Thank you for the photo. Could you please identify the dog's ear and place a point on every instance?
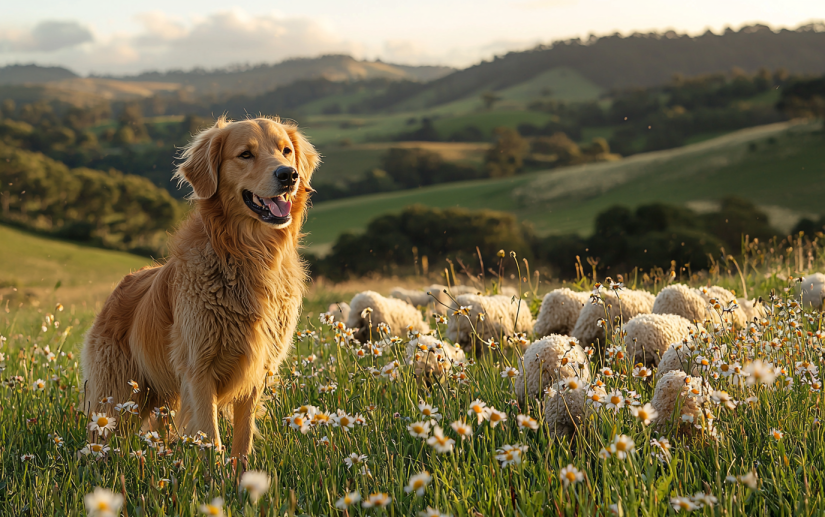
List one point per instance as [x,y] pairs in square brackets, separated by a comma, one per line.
[202,161]
[306,157]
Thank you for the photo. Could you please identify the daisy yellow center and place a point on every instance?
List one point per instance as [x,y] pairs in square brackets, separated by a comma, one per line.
[684,505]
[570,476]
[615,399]
[441,440]
[299,421]
[495,417]
[103,505]
[345,421]
[477,409]
[643,414]
[212,510]
[621,446]
[418,428]
[348,500]
[511,373]
[418,484]
[102,421]
[725,367]
[426,411]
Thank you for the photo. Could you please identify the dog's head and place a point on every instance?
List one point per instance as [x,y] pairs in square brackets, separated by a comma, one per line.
[258,169]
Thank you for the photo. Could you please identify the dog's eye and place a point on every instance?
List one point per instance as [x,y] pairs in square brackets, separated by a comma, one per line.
[245,155]
[287,151]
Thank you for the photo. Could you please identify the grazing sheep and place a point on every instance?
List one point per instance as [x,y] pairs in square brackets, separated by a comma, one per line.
[458,290]
[813,290]
[559,311]
[548,360]
[395,313]
[340,311]
[650,335]
[672,390]
[565,409]
[587,330]
[412,296]
[681,300]
[431,358]
[432,297]
[503,317]
[751,309]
[724,297]
[675,358]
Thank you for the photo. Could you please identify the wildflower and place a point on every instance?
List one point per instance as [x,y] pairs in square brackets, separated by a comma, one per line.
[256,483]
[439,442]
[213,508]
[776,434]
[343,420]
[570,475]
[428,410]
[510,454]
[419,429]
[432,512]
[527,422]
[682,503]
[463,429]
[103,503]
[298,422]
[573,383]
[478,409]
[661,448]
[496,417]
[102,423]
[355,459]
[607,372]
[58,441]
[163,482]
[510,373]
[722,397]
[642,372]
[760,372]
[324,440]
[703,499]
[645,413]
[750,480]
[39,385]
[95,449]
[604,453]
[615,400]
[622,446]
[135,387]
[26,457]
[463,311]
[418,483]
[347,500]
[380,499]
[137,454]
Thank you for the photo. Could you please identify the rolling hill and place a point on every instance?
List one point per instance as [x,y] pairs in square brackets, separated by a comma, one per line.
[779,166]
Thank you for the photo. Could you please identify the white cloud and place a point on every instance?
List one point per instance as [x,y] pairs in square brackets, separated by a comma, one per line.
[46,36]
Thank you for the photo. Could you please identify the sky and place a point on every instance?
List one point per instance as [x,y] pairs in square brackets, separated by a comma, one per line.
[117,37]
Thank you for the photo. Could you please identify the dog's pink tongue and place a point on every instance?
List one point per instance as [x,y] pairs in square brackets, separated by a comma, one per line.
[278,207]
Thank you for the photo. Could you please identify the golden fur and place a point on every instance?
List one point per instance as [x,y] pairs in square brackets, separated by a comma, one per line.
[199,332]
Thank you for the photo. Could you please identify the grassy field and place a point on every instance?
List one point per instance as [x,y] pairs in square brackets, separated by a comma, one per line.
[753,448]
[777,166]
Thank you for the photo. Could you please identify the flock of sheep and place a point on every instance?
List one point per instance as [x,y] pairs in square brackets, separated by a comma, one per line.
[657,331]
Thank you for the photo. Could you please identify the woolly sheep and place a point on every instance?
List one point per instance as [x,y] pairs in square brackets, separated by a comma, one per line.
[675,358]
[431,358]
[559,311]
[671,391]
[813,290]
[725,297]
[503,317]
[649,336]
[681,300]
[340,311]
[432,297]
[751,309]
[548,360]
[631,302]
[395,313]
[565,409]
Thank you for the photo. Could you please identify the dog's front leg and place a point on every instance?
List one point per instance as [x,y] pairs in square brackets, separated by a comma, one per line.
[244,423]
[202,402]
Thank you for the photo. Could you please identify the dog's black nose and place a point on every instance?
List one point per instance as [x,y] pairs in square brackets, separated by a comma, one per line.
[286,175]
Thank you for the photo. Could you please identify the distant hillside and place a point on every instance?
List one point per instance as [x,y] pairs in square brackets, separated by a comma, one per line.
[261,78]
[33,74]
[638,60]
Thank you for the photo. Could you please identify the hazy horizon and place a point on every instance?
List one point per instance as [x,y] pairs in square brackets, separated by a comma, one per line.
[92,37]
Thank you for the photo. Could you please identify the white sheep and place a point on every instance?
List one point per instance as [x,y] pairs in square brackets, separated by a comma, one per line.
[752,309]
[724,298]
[340,311]
[559,311]
[548,360]
[397,314]
[502,318]
[431,358]
[628,303]
[436,298]
[813,290]
[649,336]
[673,390]
[565,410]
[682,300]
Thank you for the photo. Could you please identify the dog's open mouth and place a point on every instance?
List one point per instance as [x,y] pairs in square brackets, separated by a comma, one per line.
[274,210]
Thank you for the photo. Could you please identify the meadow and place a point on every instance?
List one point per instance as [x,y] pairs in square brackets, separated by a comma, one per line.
[566,200]
[347,429]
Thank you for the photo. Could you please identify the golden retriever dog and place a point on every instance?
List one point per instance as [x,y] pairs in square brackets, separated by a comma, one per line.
[200,332]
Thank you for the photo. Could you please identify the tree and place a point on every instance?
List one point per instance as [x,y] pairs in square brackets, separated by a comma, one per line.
[506,157]
[489,99]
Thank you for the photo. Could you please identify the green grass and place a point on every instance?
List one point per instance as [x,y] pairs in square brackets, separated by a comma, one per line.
[786,173]
[563,84]
[35,263]
[487,120]
[308,477]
